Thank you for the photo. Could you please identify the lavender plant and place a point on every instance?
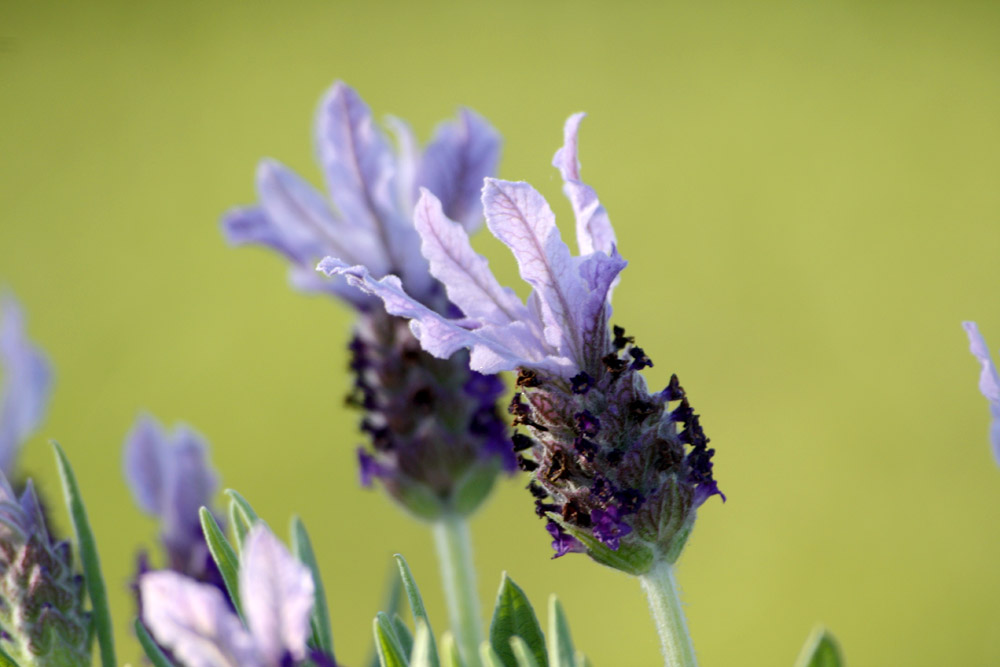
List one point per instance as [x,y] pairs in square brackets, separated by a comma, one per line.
[436,438]
[618,472]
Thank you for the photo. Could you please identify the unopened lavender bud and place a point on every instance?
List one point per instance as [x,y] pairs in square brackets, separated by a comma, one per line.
[42,621]
[617,471]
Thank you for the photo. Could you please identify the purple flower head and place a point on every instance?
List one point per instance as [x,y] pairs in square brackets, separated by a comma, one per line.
[621,470]
[436,436]
[171,478]
[42,621]
[27,383]
[196,623]
[989,382]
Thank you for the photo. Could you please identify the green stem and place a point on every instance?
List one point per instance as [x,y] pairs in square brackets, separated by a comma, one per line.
[665,605]
[454,548]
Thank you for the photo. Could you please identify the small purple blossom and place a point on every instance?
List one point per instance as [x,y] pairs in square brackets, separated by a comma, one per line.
[639,471]
[171,478]
[989,382]
[195,622]
[27,383]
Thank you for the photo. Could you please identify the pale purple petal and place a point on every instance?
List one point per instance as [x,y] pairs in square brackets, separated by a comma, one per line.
[32,508]
[600,272]
[492,348]
[249,225]
[456,161]
[189,484]
[465,274]
[593,228]
[277,594]
[305,279]
[27,383]
[146,462]
[194,622]
[989,383]
[520,217]
[407,161]
[355,156]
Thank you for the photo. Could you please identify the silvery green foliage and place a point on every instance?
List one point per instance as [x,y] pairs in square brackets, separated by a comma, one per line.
[42,621]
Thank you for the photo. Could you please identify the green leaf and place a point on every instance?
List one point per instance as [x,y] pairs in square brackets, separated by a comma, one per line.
[235,497]
[561,653]
[421,654]
[821,650]
[390,653]
[416,604]
[634,559]
[391,603]
[522,653]
[100,614]
[6,660]
[320,619]
[514,617]
[403,634]
[489,656]
[224,556]
[153,651]
[240,522]
[449,651]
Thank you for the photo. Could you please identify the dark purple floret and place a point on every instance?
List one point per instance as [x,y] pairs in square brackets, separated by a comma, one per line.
[587,424]
[521,442]
[562,542]
[581,383]
[639,359]
[608,527]
[368,468]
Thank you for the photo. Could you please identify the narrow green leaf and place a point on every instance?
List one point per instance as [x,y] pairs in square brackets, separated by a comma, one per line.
[522,653]
[421,654]
[101,616]
[821,650]
[391,603]
[320,621]
[153,651]
[449,651]
[489,656]
[225,557]
[240,522]
[561,653]
[634,559]
[416,604]
[403,634]
[390,653]
[514,617]
[6,660]
[244,505]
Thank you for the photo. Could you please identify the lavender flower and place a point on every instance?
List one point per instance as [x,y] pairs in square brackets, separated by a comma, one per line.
[170,478]
[42,621]
[615,470]
[436,436]
[197,624]
[989,382]
[27,384]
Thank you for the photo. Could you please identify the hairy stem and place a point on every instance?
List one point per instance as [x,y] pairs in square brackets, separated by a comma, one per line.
[665,606]
[454,549]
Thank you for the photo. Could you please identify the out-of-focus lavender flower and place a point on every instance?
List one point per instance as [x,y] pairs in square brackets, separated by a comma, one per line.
[616,471]
[437,440]
[27,383]
[198,625]
[171,478]
[989,382]
[42,621]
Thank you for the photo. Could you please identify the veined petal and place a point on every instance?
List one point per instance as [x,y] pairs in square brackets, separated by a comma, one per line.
[146,460]
[454,164]
[593,228]
[492,348]
[27,382]
[520,217]
[355,156]
[407,161]
[194,622]
[600,272]
[465,274]
[989,382]
[277,594]
[305,279]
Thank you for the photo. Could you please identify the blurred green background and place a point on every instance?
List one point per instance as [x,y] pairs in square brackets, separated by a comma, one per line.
[807,195]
